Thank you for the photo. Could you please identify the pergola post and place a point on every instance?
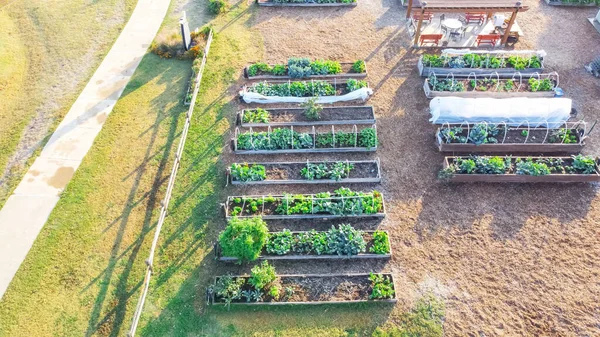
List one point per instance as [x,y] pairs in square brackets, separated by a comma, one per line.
[513,17]
[418,31]
[410,4]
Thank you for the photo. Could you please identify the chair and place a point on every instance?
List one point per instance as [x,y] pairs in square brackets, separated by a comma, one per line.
[442,18]
[463,20]
[430,38]
[444,29]
[459,34]
[513,38]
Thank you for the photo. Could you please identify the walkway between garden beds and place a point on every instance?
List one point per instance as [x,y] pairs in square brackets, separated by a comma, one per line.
[28,208]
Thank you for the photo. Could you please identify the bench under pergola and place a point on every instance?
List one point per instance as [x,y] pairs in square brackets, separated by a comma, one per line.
[464,6]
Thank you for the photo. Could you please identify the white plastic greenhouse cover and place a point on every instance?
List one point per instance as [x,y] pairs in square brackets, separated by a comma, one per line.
[252,97]
[513,111]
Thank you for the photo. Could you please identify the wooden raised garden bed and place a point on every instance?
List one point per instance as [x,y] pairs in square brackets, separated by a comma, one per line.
[506,71]
[304,4]
[295,116]
[493,88]
[512,177]
[299,91]
[346,73]
[575,3]
[569,139]
[305,139]
[316,289]
[342,172]
[307,206]
[368,235]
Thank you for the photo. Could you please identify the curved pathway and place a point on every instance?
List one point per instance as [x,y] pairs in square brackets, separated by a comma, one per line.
[28,208]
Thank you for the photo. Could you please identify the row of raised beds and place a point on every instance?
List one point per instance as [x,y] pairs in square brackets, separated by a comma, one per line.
[491,85]
[339,172]
[521,126]
[300,67]
[309,128]
[459,62]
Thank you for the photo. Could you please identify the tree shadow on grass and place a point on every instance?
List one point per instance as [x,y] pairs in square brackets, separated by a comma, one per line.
[169,73]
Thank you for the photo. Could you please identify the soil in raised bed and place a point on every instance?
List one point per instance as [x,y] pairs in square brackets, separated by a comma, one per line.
[292,172]
[514,136]
[327,114]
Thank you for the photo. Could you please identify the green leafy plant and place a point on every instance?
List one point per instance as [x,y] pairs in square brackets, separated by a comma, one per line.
[299,67]
[245,172]
[584,164]
[565,136]
[484,133]
[524,133]
[335,171]
[244,238]
[381,243]
[295,89]
[452,134]
[540,85]
[345,240]
[312,110]
[257,115]
[262,276]
[359,67]
[280,243]
[352,85]
[529,167]
[367,138]
[382,286]
[252,295]
[275,292]
[228,288]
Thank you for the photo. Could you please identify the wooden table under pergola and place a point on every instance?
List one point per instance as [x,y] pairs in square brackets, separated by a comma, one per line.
[464,6]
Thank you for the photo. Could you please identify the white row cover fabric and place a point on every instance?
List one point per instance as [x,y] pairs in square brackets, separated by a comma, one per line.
[252,97]
[513,111]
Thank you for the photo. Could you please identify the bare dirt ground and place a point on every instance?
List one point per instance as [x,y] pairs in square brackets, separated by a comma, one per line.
[509,260]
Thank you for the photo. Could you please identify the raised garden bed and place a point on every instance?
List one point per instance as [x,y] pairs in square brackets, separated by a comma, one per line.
[494,138]
[297,68]
[322,91]
[310,289]
[341,172]
[307,139]
[305,4]
[575,169]
[572,3]
[340,204]
[295,116]
[474,87]
[297,248]
[505,63]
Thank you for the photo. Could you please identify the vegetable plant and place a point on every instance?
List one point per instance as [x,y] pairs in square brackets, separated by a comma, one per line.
[244,238]
[262,276]
[244,172]
[345,240]
[359,67]
[312,110]
[352,85]
[380,243]
[584,164]
[228,288]
[382,286]
[257,115]
[335,171]
[529,167]
[540,85]
[280,243]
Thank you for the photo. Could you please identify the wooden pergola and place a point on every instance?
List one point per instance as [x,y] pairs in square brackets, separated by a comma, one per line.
[464,6]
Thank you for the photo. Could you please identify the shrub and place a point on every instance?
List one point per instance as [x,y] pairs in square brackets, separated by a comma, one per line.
[262,276]
[244,238]
[359,67]
[312,110]
[217,6]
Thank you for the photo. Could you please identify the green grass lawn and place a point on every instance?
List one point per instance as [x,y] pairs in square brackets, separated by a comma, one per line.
[47,54]
[84,272]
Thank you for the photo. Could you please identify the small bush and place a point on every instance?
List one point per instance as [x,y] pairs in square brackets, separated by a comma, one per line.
[262,276]
[359,67]
[217,6]
[244,238]
[312,110]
